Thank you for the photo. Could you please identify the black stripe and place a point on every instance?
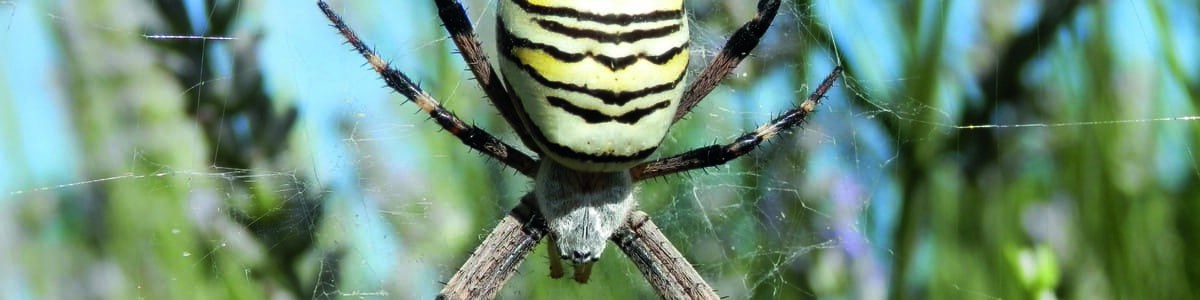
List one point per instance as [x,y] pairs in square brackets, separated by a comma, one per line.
[507,41]
[594,116]
[633,116]
[569,153]
[615,19]
[606,96]
[608,37]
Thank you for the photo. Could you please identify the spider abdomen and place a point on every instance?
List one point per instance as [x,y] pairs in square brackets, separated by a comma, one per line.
[597,82]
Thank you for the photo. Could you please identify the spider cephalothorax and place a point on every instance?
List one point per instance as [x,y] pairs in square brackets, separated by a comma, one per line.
[592,86]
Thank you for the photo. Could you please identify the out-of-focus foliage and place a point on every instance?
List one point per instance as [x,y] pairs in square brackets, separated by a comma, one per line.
[990,149]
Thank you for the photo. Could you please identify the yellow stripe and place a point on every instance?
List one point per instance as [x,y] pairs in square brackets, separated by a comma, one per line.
[612,6]
[596,76]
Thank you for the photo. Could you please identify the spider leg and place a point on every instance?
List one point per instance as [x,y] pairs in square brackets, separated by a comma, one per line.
[454,18]
[470,135]
[737,48]
[556,267]
[583,272]
[719,154]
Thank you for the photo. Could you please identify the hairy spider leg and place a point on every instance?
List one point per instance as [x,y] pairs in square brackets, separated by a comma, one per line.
[470,135]
[738,46]
[715,155]
[458,25]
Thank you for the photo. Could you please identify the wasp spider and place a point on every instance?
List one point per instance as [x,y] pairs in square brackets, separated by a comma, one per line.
[592,87]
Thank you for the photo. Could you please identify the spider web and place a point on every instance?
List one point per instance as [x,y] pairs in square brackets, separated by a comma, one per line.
[897,182]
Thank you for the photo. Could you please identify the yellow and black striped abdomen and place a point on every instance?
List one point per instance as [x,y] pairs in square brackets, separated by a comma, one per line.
[597,81]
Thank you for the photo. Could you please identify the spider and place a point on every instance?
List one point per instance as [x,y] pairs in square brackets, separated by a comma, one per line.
[592,88]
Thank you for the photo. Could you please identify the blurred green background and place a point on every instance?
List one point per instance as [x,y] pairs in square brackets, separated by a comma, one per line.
[236,149]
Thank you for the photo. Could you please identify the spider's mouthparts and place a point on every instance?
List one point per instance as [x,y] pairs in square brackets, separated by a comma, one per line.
[579,257]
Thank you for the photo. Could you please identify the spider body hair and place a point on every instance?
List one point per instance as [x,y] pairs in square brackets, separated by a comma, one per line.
[582,209]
